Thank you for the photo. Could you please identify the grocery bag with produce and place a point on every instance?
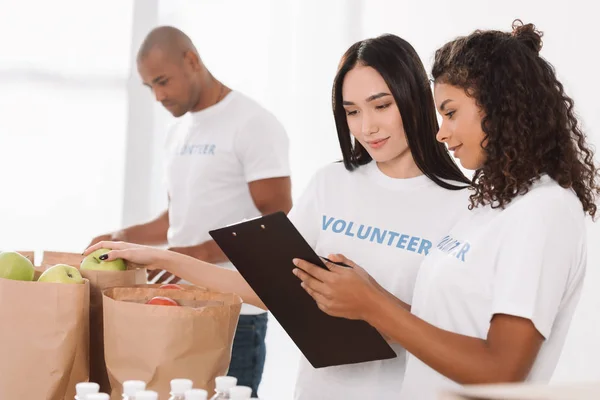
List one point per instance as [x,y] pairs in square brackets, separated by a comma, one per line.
[44,340]
[101,275]
[156,335]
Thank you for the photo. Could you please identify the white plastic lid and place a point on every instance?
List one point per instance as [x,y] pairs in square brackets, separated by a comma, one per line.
[180,386]
[146,395]
[240,393]
[97,396]
[196,394]
[225,383]
[130,388]
[85,388]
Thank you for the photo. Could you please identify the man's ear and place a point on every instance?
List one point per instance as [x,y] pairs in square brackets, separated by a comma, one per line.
[190,58]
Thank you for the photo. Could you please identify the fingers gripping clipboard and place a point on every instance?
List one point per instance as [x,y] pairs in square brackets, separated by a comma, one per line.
[262,250]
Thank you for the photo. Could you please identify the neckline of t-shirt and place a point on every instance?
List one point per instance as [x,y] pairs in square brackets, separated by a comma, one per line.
[374,173]
[202,114]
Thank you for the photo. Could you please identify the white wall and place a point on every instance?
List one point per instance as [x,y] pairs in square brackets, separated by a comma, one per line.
[63,116]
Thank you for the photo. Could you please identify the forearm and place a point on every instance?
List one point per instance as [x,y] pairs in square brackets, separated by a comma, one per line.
[464,359]
[211,276]
[390,296]
[272,195]
[153,233]
[282,204]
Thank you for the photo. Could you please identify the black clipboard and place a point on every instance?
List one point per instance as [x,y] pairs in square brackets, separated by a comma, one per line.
[262,250]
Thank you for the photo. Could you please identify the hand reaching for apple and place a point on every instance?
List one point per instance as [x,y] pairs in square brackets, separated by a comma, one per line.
[154,275]
[137,254]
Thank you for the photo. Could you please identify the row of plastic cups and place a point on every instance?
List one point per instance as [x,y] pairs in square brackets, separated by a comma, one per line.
[133,388]
[192,394]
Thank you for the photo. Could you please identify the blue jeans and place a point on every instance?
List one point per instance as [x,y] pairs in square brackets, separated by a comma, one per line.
[249,351]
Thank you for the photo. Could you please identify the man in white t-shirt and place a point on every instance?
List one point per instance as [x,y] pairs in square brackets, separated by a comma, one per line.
[227,160]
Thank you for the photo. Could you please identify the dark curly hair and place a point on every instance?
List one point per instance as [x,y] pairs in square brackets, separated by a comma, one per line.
[529,123]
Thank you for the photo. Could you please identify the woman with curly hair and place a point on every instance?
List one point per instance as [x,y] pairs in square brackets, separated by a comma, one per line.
[494,301]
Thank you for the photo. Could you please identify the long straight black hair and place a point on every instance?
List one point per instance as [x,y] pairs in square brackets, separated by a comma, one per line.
[402,70]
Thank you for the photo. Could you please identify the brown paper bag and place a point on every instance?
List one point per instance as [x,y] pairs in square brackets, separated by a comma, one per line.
[51,258]
[43,343]
[99,280]
[29,255]
[159,343]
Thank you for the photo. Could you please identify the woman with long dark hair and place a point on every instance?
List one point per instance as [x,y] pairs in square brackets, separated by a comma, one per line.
[396,192]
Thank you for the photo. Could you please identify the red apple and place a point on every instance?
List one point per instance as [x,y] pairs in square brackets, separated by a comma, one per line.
[171,286]
[162,301]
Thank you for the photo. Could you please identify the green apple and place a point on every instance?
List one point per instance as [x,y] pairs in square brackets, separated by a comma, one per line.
[61,273]
[16,267]
[93,262]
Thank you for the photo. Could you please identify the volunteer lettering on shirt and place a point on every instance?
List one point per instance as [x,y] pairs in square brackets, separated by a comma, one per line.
[387,226]
[377,235]
[197,149]
[454,247]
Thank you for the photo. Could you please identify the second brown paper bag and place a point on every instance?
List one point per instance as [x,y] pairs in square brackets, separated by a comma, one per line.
[159,343]
[99,280]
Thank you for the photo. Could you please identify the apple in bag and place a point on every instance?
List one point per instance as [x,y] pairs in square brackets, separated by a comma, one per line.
[162,301]
[171,286]
[15,266]
[61,273]
[92,262]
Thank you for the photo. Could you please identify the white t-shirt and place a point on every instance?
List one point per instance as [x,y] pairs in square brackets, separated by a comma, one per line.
[527,260]
[212,155]
[386,226]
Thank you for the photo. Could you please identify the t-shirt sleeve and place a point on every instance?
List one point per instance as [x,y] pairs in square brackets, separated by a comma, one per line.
[262,146]
[305,214]
[543,245]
